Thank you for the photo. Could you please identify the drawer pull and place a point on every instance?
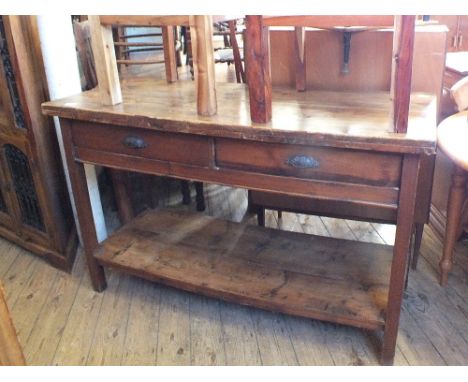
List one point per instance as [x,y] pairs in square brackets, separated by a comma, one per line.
[135,142]
[302,161]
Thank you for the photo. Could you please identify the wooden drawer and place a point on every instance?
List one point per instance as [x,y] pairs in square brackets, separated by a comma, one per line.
[321,163]
[170,147]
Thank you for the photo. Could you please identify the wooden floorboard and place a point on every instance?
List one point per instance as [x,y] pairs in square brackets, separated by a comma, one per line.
[61,320]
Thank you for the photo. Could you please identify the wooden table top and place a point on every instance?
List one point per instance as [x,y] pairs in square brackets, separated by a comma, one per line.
[340,119]
[457,62]
[452,137]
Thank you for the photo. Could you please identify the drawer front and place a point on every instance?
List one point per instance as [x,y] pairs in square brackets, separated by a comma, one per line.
[319,163]
[170,147]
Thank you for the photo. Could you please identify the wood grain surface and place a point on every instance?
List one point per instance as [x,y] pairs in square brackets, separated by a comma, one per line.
[342,119]
[344,282]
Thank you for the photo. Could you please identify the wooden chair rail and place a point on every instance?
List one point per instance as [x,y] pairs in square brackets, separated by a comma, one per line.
[321,21]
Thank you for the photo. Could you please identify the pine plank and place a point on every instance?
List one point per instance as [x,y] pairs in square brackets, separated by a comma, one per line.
[449,342]
[240,339]
[174,328]
[313,225]
[431,249]
[289,222]
[18,274]
[308,338]
[338,228]
[111,329]
[350,346]
[364,231]
[47,332]
[206,336]
[141,338]
[414,343]
[8,254]
[78,334]
[386,232]
[273,339]
[227,260]
[31,300]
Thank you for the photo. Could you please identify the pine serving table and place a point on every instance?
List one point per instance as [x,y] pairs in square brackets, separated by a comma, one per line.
[338,146]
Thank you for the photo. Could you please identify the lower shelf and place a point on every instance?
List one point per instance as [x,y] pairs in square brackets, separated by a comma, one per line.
[323,278]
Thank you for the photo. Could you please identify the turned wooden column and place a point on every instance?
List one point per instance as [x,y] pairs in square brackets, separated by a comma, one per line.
[454,210]
[452,135]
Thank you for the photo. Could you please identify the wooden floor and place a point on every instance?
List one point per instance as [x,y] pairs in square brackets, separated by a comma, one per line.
[61,320]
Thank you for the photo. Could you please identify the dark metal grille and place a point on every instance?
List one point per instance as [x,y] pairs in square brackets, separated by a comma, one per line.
[10,79]
[24,187]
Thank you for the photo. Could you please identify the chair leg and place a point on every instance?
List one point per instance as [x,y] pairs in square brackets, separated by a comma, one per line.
[418,233]
[185,189]
[455,202]
[261,216]
[200,199]
[121,194]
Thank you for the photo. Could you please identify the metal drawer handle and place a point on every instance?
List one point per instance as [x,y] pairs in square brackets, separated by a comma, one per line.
[302,161]
[135,142]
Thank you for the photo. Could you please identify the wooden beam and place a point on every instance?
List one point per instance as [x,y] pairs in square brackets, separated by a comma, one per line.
[329,21]
[105,62]
[201,31]
[169,54]
[299,50]
[154,20]
[403,42]
[140,62]
[125,43]
[257,63]
[157,20]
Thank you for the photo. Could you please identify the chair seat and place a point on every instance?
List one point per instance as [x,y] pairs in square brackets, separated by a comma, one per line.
[452,138]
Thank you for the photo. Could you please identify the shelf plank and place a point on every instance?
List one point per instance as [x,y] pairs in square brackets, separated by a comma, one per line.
[328,279]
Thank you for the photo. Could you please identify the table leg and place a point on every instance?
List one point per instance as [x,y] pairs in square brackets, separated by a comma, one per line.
[418,233]
[200,198]
[185,188]
[261,216]
[454,210]
[122,198]
[405,220]
[83,209]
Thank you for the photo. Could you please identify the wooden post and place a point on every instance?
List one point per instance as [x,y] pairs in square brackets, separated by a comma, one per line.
[11,353]
[456,198]
[201,33]
[299,49]
[122,198]
[105,61]
[405,221]
[403,41]
[257,65]
[240,75]
[84,209]
[169,53]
